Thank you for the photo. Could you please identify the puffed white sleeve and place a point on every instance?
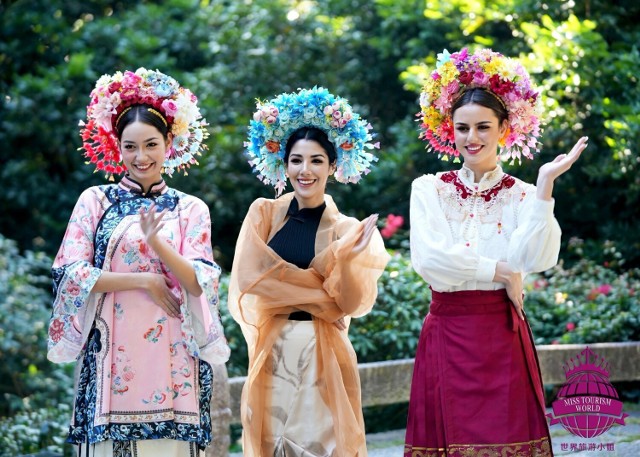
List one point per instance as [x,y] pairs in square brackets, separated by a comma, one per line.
[434,256]
[535,243]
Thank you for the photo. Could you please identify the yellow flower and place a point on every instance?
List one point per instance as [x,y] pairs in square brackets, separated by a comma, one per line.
[561,298]
[448,72]
[180,126]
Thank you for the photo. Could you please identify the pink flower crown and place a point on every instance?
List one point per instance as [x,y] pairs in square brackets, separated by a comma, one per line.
[113,94]
[489,70]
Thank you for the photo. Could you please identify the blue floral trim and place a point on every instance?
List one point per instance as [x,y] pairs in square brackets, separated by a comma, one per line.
[124,203]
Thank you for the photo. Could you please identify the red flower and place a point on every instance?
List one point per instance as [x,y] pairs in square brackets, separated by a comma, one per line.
[571,326]
[465,77]
[499,86]
[56,330]
[346,146]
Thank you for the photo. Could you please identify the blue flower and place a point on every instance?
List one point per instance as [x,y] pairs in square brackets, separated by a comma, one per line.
[443,57]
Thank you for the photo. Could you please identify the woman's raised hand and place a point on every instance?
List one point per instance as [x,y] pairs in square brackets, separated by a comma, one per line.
[548,172]
[369,228]
[151,222]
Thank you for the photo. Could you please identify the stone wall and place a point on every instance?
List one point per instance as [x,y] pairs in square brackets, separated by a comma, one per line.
[385,383]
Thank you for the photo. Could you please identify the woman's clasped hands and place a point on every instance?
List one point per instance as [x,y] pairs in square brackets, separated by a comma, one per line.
[160,287]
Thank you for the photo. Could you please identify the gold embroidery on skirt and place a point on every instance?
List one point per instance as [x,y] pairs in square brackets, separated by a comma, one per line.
[534,448]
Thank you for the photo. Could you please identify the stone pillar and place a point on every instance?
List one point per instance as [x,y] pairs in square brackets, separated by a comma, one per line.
[220,413]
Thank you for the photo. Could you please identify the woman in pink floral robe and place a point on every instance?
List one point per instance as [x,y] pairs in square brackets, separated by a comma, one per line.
[136,286]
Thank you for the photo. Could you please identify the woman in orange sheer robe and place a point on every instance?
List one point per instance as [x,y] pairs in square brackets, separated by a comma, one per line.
[302,393]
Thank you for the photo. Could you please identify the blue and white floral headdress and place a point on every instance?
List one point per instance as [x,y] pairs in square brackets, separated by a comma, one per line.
[275,120]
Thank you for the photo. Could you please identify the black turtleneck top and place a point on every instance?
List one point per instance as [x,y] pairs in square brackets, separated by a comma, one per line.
[295,241]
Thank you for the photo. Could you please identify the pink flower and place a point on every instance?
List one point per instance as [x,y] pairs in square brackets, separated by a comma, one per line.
[170,107]
[128,374]
[131,79]
[73,290]
[480,78]
[605,289]
[570,326]
[393,223]
[539,283]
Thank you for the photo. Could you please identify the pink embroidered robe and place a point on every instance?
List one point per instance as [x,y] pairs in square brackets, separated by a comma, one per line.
[142,374]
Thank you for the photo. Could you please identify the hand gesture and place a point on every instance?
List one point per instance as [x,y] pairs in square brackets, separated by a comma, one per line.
[369,227]
[340,324]
[512,281]
[551,170]
[150,223]
[158,287]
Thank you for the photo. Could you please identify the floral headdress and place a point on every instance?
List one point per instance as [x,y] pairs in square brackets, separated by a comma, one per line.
[505,78]
[114,94]
[275,120]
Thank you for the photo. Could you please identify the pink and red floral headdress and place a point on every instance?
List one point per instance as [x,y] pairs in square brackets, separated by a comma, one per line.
[114,93]
[504,77]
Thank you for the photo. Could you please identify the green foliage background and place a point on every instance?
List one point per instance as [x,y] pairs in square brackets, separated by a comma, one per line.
[584,55]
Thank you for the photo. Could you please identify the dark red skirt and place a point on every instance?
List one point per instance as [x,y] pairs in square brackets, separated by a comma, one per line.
[476,388]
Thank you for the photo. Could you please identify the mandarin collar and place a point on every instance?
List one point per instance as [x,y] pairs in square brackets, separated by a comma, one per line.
[488,180]
[304,214]
[156,189]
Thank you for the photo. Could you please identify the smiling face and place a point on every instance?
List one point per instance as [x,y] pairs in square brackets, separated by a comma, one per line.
[477,131]
[308,168]
[143,150]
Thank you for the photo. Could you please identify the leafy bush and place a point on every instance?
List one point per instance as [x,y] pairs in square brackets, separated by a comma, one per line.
[586,302]
[36,393]
[42,429]
[392,328]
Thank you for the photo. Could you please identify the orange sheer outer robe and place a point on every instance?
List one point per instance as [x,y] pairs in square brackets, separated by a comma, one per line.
[264,289]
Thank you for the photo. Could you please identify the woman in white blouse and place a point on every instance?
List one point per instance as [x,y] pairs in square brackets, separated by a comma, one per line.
[475,233]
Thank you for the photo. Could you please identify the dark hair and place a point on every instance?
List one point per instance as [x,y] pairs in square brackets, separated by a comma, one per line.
[311,134]
[484,98]
[146,114]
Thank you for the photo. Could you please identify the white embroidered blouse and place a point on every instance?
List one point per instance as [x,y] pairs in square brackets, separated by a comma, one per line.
[460,229]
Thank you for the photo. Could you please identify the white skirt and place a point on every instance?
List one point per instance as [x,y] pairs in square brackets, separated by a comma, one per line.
[301,422]
[145,448]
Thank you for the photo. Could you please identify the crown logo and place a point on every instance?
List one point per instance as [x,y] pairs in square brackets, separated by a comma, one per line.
[586,361]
